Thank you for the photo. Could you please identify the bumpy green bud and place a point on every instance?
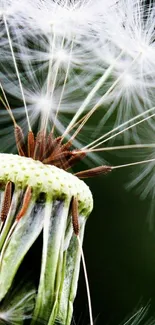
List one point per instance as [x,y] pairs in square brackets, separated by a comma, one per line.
[53,181]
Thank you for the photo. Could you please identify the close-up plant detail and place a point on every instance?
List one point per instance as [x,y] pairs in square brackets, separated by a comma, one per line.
[77,83]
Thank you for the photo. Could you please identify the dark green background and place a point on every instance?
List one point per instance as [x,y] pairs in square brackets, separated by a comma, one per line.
[120,253]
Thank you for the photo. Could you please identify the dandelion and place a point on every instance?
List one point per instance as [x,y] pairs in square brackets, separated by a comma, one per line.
[63,62]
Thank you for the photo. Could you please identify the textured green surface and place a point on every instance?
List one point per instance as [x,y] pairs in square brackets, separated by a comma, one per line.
[54,181]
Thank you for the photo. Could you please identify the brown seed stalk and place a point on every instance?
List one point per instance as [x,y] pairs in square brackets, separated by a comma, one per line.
[19,137]
[31,144]
[40,145]
[6,201]
[26,201]
[94,172]
[75,215]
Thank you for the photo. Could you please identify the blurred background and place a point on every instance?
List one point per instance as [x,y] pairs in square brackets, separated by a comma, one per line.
[119,249]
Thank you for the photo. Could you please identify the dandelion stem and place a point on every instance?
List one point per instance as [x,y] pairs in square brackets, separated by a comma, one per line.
[128,128]
[6,105]
[50,64]
[103,98]
[50,95]
[86,281]
[64,84]
[17,71]
[134,164]
[7,108]
[93,92]
[120,126]
[57,68]
[131,146]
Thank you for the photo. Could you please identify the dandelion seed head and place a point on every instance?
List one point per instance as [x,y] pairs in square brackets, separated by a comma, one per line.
[56,39]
